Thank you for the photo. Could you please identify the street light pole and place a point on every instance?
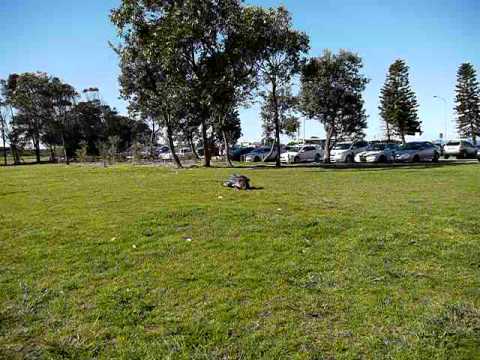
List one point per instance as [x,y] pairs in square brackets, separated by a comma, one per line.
[444,114]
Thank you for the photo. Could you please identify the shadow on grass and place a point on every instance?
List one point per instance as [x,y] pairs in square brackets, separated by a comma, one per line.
[43,162]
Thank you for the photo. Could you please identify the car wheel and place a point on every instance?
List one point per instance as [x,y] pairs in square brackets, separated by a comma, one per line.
[257,159]
[436,157]
[296,159]
[382,159]
[446,157]
[349,159]
[317,158]
[416,159]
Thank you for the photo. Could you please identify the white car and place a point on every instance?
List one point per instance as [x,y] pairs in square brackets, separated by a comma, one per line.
[305,153]
[460,149]
[345,152]
[378,153]
[183,153]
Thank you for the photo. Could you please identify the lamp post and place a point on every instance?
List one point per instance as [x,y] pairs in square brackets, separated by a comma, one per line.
[444,114]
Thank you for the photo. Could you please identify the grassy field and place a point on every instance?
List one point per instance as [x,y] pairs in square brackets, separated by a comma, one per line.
[150,263]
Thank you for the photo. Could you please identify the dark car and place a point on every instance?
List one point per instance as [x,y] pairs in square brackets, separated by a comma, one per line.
[239,153]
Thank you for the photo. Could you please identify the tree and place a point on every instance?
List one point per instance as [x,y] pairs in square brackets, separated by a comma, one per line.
[468,102]
[398,103]
[282,51]
[3,132]
[28,93]
[331,92]
[286,107]
[228,130]
[5,112]
[200,47]
[62,100]
[152,70]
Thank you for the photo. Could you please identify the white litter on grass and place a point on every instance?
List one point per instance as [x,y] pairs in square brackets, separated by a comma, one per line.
[113,239]
[188,239]
[220,197]
[134,246]
[279,209]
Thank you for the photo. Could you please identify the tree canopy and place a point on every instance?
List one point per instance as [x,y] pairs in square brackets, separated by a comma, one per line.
[468,102]
[398,103]
[331,92]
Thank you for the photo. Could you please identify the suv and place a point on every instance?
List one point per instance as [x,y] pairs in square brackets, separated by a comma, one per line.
[460,148]
[345,152]
[305,153]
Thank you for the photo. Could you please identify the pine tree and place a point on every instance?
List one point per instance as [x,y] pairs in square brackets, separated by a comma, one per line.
[398,103]
[468,102]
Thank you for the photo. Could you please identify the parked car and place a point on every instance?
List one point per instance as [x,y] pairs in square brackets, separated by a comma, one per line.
[161,150]
[460,149]
[417,151]
[378,153]
[182,153]
[345,152]
[260,154]
[440,147]
[305,153]
[238,153]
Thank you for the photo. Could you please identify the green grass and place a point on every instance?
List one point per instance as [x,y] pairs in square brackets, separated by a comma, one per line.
[319,264]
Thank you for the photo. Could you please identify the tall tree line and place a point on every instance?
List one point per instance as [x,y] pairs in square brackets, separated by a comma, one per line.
[190,65]
[44,112]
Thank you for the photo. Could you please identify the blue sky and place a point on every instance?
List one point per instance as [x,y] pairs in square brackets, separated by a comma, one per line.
[70,38]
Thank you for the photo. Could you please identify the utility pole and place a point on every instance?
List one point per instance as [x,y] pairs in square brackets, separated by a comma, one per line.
[444,115]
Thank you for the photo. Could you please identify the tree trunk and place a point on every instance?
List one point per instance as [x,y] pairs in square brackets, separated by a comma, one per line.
[172,146]
[474,135]
[206,145]
[52,154]
[15,154]
[152,139]
[4,140]
[65,154]
[194,149]
[389,135]
[36,143]
[328,144]
[277,124]
[227,148]
[402,135]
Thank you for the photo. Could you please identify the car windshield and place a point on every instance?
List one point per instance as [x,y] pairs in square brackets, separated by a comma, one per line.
[344,146]
[453,143]
[293,148]
[411,146]
[261,150]
[378,147]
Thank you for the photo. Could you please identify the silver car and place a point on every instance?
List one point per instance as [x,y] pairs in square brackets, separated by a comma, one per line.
[460,149]
[261,154]
[305,153]
[345,152]
[417,151]
[378,153]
